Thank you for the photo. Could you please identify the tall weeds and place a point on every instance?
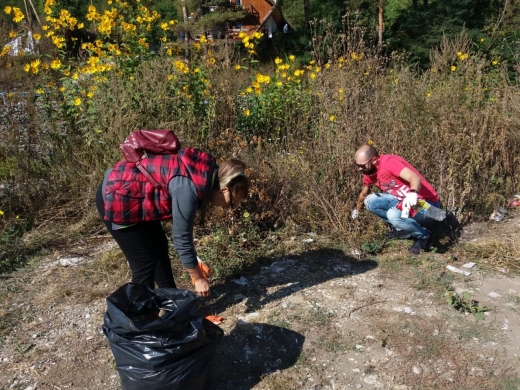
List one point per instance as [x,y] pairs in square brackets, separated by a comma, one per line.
[458,123]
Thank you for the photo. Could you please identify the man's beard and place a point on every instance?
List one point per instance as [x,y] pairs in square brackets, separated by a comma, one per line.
[369,171]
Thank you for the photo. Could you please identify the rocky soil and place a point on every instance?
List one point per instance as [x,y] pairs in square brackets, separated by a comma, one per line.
[318,318]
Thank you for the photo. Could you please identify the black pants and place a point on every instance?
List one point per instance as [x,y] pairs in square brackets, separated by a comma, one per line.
[145,247]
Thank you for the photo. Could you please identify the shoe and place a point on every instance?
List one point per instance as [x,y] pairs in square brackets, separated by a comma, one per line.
[421,244]
[397,234]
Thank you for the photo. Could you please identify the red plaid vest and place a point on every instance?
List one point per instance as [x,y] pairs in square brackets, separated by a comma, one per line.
[131,198]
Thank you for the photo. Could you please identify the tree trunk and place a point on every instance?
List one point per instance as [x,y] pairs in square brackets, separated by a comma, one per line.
[29,23]
[186,34]
[35,13]
[306,9]
[381,25]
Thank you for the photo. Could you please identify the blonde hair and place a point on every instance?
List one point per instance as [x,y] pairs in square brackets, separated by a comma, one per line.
[229,170]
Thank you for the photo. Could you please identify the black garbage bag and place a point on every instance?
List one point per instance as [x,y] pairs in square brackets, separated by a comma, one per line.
[160,338]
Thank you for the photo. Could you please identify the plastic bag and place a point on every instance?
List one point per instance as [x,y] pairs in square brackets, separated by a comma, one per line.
[160,339]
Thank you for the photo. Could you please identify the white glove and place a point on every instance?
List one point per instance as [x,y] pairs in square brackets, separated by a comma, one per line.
[354,214]
[410,200]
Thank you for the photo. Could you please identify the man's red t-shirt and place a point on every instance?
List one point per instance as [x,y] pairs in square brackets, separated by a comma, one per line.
[388,180]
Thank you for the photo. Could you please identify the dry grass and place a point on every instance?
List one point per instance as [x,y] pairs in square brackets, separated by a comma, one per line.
[430,355]
[494,253]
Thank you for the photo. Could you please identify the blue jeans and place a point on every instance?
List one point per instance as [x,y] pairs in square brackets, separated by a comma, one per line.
[384,206]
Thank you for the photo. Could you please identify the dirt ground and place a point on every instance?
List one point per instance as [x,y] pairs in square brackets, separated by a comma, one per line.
[316,318]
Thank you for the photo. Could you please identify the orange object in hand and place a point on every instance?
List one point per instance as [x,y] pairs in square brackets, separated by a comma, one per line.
[204,270]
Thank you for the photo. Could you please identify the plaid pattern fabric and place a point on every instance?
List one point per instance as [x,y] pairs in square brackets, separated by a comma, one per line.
[131,198]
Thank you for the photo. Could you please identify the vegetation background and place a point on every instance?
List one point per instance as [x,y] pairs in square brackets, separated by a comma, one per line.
[441,90]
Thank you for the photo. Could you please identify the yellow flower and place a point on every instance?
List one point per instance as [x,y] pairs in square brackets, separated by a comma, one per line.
[340,90]
[237,67]
[332,118]
[12,34]
[428,94]
[494,62]
[56,64]
[249,89]
[279,83]
[462,56]
[26,68]
[75,75]
[453,68]
[7,9]
[327,65]
[291,57]
[39,90]
[165,26]
[77,101]
[80,25]
[313,76]
[90,94]
[370,142]
[482,39]
[62,89]
[278,60]
[1,212]
[37,36]
[18,15]
[5,50]
[247,112]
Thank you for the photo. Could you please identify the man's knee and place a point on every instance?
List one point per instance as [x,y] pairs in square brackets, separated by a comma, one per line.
[369,200]
[394,216]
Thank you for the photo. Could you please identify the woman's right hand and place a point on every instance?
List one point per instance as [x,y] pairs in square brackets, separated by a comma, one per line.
[202,287]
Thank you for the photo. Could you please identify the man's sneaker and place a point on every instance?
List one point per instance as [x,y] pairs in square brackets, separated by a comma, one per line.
[398,234]
[423,244]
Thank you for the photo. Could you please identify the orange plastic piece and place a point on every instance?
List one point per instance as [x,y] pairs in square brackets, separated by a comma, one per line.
[215,319]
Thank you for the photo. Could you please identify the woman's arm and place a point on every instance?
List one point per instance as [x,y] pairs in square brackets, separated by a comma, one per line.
[184,207]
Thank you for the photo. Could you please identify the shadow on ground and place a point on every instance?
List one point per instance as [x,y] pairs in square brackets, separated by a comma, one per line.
[447,233]
[251,351]
[285,276]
